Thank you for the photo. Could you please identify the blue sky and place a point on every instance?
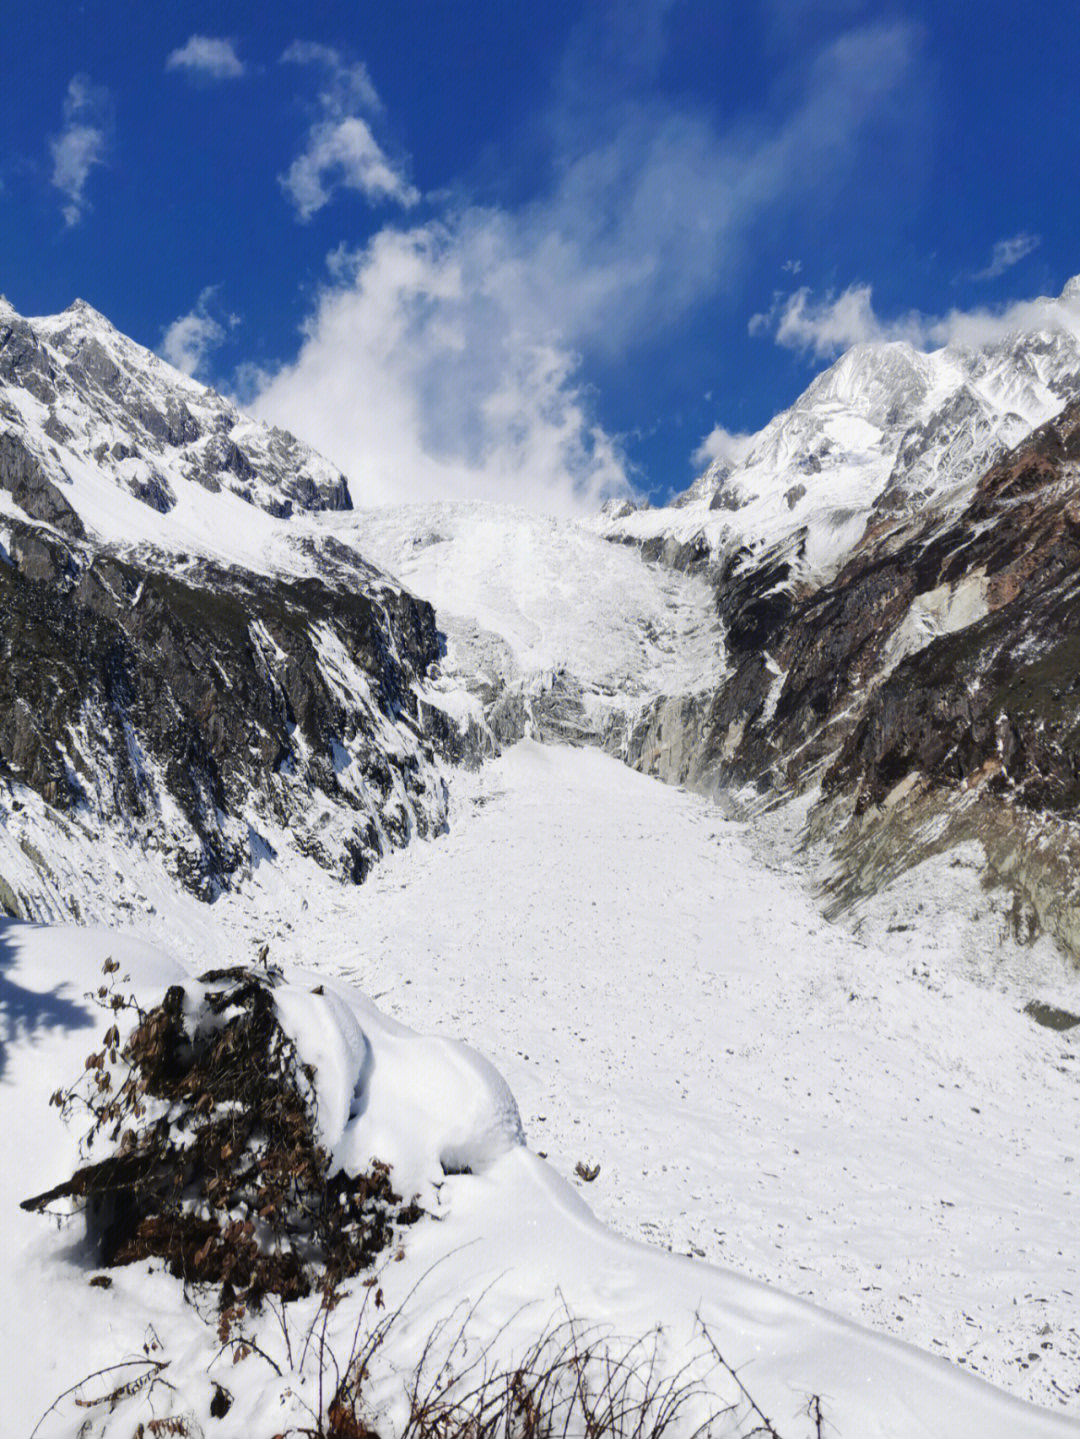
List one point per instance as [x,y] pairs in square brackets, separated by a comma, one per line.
[533,252]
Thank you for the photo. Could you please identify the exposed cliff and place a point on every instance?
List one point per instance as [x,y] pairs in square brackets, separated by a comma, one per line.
[156,688]
[214,715]
[931,689]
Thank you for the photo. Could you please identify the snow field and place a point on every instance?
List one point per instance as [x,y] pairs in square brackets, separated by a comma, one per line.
[879,1130]
[514,1244]
[521,595]
[665,1000]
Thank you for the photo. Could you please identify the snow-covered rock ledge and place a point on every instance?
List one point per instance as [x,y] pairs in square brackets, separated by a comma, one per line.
[504,1244]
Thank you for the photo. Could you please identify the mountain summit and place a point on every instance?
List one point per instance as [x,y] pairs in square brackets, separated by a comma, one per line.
[885,433]
[96,425]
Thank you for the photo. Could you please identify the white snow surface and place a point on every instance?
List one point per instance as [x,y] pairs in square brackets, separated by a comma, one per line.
[867,1123]
[521,596]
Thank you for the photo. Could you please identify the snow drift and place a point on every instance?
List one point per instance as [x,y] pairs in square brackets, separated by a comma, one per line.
[503,1236]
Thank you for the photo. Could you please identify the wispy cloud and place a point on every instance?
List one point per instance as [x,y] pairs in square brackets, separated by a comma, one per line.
[1007,253]
[188,341]
[341,151]
[207,57]
[824,327]
[346,84]
[721,446]
[81,144]
[448,359]
[654,214]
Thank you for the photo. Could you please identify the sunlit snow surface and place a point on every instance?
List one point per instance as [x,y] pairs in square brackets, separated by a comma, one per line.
[878,1129]
[525,594]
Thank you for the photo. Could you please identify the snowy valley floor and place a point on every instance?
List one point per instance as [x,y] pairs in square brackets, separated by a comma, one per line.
[872,1125]
[893,1141]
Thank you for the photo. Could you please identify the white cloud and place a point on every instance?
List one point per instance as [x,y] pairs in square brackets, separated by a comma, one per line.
[343,153]
[416,381]
[187,342]
[446,360]
[207,57]
[81,144]
[341,150]
[986,325]
[825,327]
[346,87]
[723,447]
[1007,253]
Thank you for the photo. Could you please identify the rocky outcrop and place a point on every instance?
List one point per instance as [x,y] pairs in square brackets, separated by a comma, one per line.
[218,714]
[932,689]
[996,699]
[35,494]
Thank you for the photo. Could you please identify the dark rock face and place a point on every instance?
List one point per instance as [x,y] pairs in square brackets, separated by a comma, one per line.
[240,701]
[688,556]
[983,694]
[31,489]
[999,700]
[931,689]
[754,596]
[24,361]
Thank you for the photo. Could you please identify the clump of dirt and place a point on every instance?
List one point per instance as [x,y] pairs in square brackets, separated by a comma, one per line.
[214,1164]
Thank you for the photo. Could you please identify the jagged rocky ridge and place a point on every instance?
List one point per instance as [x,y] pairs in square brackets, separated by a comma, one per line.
[76,395]
[204,711]
[927,686]
[886,431]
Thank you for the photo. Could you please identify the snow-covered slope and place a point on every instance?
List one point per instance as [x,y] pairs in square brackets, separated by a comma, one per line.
[887,429]
[127,441]
[671,1006]
[547,627]
[505,1247]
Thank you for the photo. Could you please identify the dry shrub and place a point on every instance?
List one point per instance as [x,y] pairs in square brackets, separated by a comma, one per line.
[571,1381]
[214,1165]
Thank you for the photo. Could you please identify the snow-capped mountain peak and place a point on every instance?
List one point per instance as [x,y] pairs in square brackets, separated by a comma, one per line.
[886,429]
[103,435]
